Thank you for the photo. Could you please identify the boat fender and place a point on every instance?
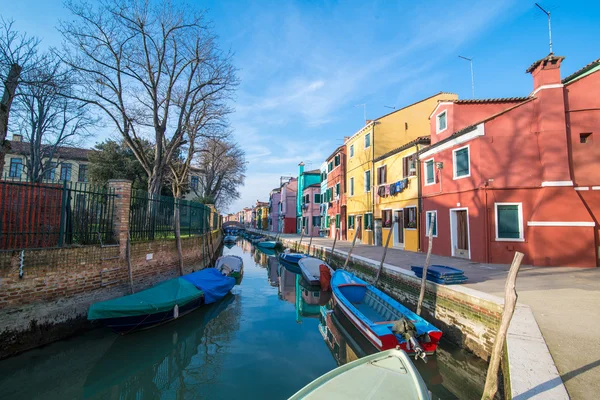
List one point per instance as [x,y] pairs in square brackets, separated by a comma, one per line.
[175,311]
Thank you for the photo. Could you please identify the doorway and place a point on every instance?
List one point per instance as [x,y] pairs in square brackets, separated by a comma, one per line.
[459,228]
[399,229]
[359,227]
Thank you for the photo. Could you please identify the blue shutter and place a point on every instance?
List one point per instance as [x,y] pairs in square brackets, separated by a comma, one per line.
[508,222]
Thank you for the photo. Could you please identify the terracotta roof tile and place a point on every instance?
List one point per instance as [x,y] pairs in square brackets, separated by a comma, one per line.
[583,70]
[496,100]
[66,153]
[549,58]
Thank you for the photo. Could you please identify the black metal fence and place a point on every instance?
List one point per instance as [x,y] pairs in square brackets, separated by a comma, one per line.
[39,215]
[152,217]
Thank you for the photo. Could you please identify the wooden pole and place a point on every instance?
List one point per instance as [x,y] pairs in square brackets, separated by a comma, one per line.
[424,277]
[301,235]
[333,247]
[387,243]
[352,248]
[309,244]
[129,262]
[510,301]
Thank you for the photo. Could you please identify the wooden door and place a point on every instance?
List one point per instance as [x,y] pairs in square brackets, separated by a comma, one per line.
[399,228]
[462,230]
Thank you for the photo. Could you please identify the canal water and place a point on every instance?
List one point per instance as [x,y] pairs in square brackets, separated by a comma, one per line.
[267,339]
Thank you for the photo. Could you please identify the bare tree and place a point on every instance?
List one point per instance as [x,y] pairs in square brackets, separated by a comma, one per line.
[48,119]
[223,165]
[149,67]
[18,55]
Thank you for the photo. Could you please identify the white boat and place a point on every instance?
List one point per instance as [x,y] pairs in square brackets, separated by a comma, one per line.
[230,265]
[310,268]
[386,375]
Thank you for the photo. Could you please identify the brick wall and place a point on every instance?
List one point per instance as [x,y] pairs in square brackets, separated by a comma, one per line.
[51,300]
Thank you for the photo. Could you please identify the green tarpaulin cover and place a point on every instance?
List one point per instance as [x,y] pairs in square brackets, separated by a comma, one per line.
[161,297]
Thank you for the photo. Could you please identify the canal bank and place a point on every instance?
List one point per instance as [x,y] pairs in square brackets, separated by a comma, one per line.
[467,316]
[45,294]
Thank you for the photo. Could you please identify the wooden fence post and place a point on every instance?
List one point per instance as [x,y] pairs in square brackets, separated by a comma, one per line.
[352,248]
[424,277]
[510,301]
[387,243]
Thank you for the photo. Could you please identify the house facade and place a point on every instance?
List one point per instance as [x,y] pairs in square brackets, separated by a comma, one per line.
[397,194]
[323,207]
[311,215]
[274,199]
[305,179]
[335,196]
[506,175]
[261,215]
[287,206]
[372,141]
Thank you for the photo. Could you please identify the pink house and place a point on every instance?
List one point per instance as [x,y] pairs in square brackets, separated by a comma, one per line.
[287,206]
[311,215]
[274,198]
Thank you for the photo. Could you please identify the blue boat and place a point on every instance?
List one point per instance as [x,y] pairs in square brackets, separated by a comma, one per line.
[267,244]
[382,320]
[162,303]
[290,261]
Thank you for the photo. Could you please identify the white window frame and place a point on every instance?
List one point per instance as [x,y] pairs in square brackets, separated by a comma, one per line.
[367,189]
[521,237]
[425,170]
[365,142]
[416,219]
[454,177]
[437,122]
[351,150]
[437,225]
[352,186]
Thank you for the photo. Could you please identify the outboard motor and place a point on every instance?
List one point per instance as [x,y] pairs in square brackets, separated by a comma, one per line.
[408,330]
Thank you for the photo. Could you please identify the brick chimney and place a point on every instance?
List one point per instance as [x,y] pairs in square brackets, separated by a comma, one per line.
[549,120]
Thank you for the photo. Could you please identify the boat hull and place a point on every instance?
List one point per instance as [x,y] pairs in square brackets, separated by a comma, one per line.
[130,324]
[379,333]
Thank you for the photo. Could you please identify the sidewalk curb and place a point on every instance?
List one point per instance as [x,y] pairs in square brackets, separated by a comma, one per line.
[531,371]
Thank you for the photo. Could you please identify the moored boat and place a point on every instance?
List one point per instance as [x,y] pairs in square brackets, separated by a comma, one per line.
[381,319]
[386,375]
[230,265]
[229,239]
[310,268]
[162,303]
[267,244]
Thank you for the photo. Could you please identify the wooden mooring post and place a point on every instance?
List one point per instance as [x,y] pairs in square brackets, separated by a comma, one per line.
[387,243]
[301,236]
[352,247]
[424,277]
[309,244]
[333,247]
[510,301]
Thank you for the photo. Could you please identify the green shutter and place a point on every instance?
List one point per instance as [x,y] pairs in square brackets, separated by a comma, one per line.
[462,162]
[432,217]
[337,220]
[429,173]
[508,222]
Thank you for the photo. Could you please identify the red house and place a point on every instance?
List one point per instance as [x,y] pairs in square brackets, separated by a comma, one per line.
[518,174]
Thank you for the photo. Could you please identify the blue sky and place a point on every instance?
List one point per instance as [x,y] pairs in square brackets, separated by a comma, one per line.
[304,66]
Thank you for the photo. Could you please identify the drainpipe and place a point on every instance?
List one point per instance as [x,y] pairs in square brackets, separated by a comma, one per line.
[373,186]
[419,195]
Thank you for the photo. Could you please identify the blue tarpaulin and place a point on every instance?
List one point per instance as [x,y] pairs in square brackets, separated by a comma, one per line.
[212,282]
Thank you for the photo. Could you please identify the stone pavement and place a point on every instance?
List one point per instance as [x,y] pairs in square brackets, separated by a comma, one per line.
[565,302]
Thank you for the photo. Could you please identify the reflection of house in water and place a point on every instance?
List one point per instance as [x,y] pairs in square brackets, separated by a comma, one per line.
[307,299]
[272,270]
[150,363]
[287,285]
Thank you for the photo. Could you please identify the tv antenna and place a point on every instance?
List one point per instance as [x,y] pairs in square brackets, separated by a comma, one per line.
[392,107]
[470,60]
[549,24]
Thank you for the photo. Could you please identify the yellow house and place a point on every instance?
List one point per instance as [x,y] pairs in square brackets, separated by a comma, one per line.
[375,139]
[397,194]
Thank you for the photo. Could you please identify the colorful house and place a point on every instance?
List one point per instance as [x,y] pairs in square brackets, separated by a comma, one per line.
[518,174]
[323,207]
[261,215]
[397,194]
[311,216]
[372,141]
[305,179]
[274,198]
[287,206]
[335,196]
